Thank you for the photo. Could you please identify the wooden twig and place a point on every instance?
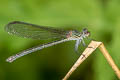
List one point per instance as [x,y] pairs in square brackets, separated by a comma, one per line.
[92,47]
[109,59]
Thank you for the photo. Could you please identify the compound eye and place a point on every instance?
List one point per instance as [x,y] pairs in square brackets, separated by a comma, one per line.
[85,30]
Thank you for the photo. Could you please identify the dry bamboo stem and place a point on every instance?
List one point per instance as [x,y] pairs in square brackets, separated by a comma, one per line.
[109,59]
[92,47]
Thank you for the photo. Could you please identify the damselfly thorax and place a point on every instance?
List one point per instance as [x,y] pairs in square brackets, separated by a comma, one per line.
[33,31]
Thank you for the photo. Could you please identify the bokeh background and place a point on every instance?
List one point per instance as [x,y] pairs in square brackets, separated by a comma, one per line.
[101,17]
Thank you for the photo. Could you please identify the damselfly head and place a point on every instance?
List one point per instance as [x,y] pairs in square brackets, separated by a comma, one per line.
[85,32]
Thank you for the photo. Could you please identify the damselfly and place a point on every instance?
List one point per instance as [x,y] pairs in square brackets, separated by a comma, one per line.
[33,31]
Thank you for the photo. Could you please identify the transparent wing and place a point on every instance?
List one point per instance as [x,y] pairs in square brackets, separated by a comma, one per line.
[33,31]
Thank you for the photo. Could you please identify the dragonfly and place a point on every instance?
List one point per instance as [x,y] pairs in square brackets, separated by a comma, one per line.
[27,30]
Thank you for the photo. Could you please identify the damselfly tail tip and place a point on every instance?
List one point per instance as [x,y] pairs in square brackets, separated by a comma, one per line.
[10,59]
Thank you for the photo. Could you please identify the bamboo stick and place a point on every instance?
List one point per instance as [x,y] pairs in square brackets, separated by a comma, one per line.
[109,59]
[89,50]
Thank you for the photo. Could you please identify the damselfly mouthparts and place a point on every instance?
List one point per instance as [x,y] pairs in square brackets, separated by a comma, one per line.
[33,31]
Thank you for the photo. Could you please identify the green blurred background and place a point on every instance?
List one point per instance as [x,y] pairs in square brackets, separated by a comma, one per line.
[101,17]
